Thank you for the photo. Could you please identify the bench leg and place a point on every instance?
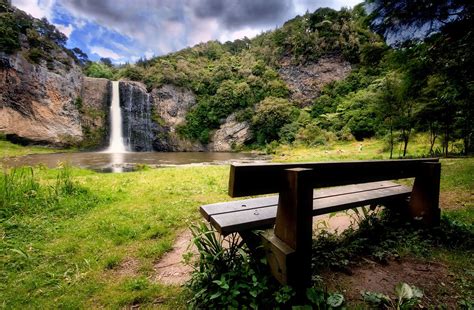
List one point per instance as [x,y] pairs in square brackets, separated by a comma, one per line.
[289,246]
[424,200]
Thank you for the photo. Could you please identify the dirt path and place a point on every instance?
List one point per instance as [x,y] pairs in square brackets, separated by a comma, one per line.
[171,269]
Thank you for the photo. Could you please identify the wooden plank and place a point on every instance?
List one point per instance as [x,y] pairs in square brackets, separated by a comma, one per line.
[259,179]
[294,226]
[349,201]
[227,223]
[424,201]
[238,205]
[264,217]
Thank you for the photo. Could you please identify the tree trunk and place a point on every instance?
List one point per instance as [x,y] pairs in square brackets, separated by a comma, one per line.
[391,141]
[433,137]
[406,137]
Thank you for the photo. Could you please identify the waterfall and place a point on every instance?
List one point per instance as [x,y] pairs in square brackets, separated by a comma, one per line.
[116,144]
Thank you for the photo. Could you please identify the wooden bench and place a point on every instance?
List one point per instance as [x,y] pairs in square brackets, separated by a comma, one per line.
[351,184]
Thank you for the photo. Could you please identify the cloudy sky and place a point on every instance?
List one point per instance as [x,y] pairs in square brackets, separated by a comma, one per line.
[124,30]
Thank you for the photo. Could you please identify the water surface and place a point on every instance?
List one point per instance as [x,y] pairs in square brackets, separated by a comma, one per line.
[119,162]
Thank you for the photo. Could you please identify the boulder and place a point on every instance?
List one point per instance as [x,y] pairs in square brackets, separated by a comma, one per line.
[231,134]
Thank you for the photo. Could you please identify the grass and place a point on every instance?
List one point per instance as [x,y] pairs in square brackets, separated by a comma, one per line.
[8,149]
[352,150]
[68,235]
[67,251]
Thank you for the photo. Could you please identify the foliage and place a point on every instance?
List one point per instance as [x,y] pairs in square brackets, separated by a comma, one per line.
[227,276]
[40,39]
[133,73]
[22,193]
[438,52]
[270,116]
[99,70]
[407,297]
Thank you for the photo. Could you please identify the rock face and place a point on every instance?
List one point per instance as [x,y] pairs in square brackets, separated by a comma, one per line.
[96,97]
[230,135]
[54,104]
[150,118]
[306,81]
[171,104]
[37,104]
[138,128]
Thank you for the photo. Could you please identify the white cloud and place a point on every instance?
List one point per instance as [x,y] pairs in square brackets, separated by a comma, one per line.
[37,8]
[149,54]
[156,27]
[67,30]
[105,52]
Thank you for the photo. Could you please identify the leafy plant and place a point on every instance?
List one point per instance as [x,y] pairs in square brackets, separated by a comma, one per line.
[406,297]
[226,275]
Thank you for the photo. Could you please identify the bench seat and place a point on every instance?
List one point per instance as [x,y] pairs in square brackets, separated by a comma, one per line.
[260,213]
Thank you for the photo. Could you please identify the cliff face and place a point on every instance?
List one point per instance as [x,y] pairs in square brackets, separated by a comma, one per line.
[52,104]
[94,111]
[171,104]
[306,81]
[151,120]
[59,106]
[38,104]
[136,103]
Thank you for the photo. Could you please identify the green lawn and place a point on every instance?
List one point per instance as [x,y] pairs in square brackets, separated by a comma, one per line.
[65,245]
[8,149]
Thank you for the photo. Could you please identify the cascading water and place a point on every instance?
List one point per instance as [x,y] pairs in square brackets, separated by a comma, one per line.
[116,144]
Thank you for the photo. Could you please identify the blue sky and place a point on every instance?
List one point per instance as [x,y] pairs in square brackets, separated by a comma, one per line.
[125,30]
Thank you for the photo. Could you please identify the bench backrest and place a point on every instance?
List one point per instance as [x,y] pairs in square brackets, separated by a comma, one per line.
[259,179]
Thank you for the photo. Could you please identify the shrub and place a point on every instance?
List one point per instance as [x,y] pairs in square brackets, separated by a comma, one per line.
[270,116]
[35,55]
[99,70]
[227,276]
[9,33]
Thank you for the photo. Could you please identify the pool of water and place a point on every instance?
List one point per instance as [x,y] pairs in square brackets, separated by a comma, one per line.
[122,162]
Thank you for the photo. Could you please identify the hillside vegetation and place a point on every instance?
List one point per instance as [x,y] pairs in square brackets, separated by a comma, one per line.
[412,84]
[392,91]
[38,39]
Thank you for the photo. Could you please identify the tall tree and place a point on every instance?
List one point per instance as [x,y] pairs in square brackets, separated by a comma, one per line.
[447,30]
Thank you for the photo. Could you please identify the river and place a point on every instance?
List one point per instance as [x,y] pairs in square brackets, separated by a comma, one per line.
[122,162]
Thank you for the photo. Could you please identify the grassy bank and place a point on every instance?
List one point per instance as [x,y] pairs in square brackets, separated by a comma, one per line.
[74,238]
[8,149]
[72,248]
[357,150]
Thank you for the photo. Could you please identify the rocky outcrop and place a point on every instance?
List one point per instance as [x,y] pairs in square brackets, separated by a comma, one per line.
[230,135]
[138,128]
[171,104]
[306,81]
[94,107]
[38,104]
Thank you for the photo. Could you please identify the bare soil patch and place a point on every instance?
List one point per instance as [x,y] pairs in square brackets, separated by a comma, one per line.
[127,268]
[171,269]
[433,278]
[453,200]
